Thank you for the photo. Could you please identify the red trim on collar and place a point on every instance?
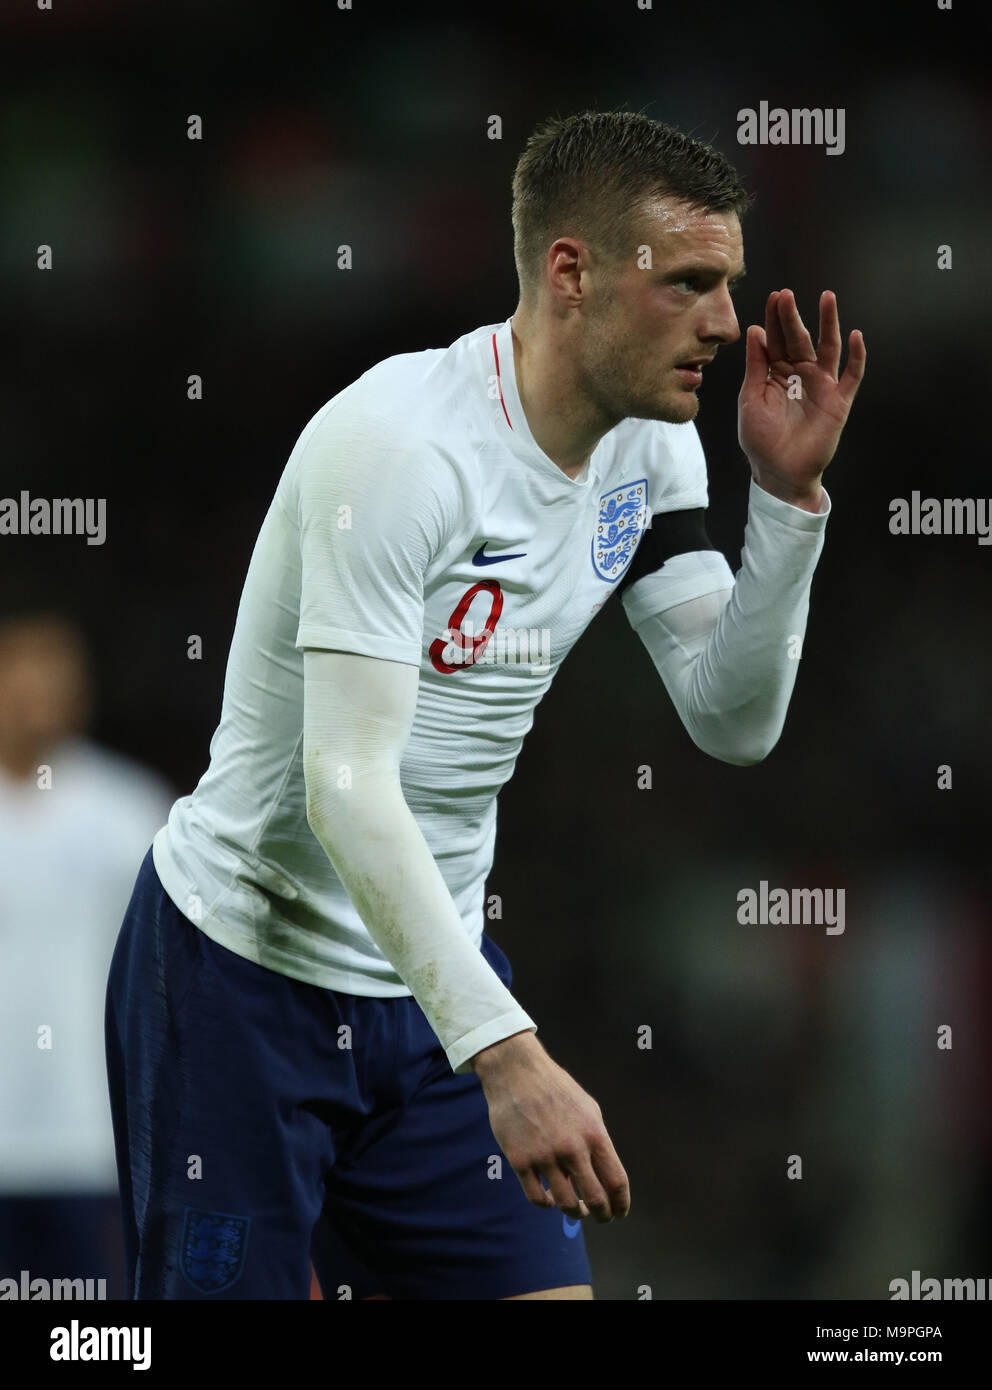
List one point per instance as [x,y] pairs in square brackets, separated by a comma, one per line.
[499,383]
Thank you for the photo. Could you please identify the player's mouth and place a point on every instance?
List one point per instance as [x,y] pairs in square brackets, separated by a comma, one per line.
[691,370]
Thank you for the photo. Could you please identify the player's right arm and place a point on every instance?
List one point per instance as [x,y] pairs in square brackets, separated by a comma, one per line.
[358,711]
[357,715]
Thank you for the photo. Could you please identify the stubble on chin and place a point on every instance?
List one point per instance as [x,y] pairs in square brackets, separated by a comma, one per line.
[670,411]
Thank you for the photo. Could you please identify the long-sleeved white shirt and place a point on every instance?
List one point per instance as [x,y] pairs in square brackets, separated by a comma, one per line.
[418,522]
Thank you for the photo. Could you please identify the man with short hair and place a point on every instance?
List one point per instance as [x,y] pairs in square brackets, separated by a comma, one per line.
[304,1004]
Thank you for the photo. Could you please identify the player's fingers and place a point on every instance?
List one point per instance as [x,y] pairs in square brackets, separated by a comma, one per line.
[531,1183]
[798,343]
[578,1209]
[857,355]
[774,337]
[828,344]
[611,1174]
[586,1183]
[756,359]
[566,1198]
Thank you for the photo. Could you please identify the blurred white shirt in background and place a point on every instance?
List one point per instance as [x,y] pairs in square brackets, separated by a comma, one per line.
[68,860]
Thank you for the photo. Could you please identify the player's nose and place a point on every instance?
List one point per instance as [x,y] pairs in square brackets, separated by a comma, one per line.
[721,323]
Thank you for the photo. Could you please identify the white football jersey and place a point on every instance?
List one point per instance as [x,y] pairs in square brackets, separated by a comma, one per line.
[417,520]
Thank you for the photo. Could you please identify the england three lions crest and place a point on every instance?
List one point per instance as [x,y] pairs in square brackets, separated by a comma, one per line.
[623,513]
[212,1252]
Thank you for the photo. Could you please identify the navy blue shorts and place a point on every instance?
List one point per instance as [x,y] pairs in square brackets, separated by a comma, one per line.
[249,1142]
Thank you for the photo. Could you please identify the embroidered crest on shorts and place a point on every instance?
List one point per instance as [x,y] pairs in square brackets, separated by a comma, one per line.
[213,1247]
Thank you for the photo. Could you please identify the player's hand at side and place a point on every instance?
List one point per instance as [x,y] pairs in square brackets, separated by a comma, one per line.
[792,407]
[547,1126]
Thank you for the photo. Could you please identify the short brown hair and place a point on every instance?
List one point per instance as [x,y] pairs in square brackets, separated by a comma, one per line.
[585,175]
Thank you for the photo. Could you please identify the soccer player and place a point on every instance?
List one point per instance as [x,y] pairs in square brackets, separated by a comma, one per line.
[311,1040]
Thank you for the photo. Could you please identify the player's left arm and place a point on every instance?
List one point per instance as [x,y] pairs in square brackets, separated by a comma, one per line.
[727,649]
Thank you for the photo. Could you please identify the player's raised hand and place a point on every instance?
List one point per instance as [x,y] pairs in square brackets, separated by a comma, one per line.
[792,407]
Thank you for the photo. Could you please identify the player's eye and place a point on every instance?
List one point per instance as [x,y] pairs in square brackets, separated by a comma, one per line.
[689,280]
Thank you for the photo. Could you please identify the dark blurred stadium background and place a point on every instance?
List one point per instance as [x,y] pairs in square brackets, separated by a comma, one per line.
[219,257]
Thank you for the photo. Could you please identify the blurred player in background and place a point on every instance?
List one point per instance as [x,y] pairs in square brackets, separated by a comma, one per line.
[73,818]
[311,1041]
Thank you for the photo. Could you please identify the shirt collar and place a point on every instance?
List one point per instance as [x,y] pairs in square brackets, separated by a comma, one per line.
[511,422]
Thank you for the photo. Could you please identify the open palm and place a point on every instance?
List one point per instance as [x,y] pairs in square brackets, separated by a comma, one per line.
[792,407]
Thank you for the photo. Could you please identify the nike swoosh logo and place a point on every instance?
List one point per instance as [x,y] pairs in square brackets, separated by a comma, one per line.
[481,558]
